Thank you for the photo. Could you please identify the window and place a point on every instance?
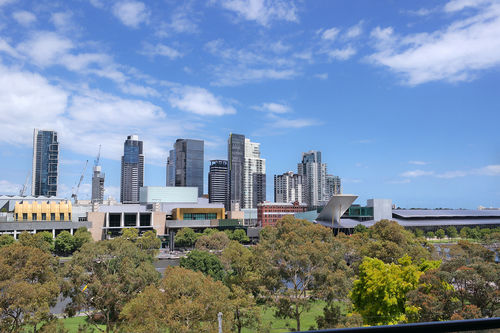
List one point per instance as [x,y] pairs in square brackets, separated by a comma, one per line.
[44,217]
[25,216]
[33,217]
[52,216]
[17,217]
[61,216]
[69,216]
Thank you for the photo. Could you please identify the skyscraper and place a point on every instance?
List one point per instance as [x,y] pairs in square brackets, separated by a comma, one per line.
[333,185]
[189,163]
[132,176]
[288,188]
[218,182]
[254,176]
[97,185]
[236,160]
[171,168]
[45,163]
[313,174]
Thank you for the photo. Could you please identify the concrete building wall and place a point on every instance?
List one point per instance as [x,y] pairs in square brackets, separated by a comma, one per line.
[98,220]
[165,194]
[158,222]
[382,208]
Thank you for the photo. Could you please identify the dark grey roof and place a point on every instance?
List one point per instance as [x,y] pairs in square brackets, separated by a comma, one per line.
[444,213]
[351,223]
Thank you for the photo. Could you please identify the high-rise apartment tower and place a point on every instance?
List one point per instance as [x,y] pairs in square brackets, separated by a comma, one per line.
[189,163]
[98,185]
[171,168]
[236,160]
[313,174]
[45,163]
[288,188]
[132,176]
[218,182]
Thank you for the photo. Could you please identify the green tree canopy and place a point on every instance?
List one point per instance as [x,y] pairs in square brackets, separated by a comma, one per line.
[6,240]
[360,228]
[186,237]
[186,301]
[149,242]
[300,261]
[29,285]
[64,243]
[130,234]
[81,236]
[451,232]
[379,293]
[440,233]
[238,235]
[40,240]
[202,261]
[105,275]
[216,241]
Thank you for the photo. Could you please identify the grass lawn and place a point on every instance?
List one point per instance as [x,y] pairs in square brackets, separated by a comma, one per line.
[308,319]
[450,240]
[72,324]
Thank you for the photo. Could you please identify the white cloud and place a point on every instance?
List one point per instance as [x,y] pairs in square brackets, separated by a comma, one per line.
[5,47]
[273,108]
[24,18]
[262,11]
[441,55]
[242,75]
[131,13]
[418,162]
[354,31]
[62,20]
[6,2]
[489,170]
[160,50]
[29,97]
[46,48]
[452,174]
[330,34]
[6,187]
[199,101]
[342,54]
[416,173]
[282,123]
[138,90]
[321,76]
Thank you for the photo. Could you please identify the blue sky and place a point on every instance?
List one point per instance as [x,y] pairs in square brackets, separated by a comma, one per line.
[401,97]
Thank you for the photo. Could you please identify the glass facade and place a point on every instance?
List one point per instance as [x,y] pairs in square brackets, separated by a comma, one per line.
[45,163]
[132,175]
[189,159]
[200,216]
[236,160]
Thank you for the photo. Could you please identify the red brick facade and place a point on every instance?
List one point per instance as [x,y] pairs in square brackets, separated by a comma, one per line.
[268,213]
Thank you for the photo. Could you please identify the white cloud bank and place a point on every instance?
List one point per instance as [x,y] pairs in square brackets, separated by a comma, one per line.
[457,52]
[199,101]
[262,11]
[131,13]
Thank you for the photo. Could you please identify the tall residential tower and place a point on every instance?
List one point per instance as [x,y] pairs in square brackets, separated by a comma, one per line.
[45,163]
[132,176]
[288,188]
[236,160]
[218,182]
[313,174]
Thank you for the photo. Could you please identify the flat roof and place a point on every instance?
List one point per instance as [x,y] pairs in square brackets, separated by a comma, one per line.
[444,213]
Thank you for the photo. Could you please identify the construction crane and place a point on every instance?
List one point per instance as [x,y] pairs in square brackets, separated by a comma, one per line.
[96,161]
[25,186]
[74,196]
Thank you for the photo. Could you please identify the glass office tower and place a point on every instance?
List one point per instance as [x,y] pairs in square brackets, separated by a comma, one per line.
[45,163]
[132,176]
[189,158]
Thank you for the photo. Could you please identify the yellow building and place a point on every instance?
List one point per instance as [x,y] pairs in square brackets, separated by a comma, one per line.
[43,211]
[198,213]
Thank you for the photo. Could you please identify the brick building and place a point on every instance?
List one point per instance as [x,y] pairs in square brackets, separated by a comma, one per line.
[268,213]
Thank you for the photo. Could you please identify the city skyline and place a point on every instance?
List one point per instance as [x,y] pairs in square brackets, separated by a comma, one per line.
[387,92]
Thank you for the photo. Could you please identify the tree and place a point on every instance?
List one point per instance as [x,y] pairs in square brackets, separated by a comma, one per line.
[360,228]
[105,275]
[186,237]
[130,234]
[430,234]
[149,242]
[81,236]
[6,240]
[451,232]
[419,232]
[238,235]
[242,280]
[299,262]
[215,241]
[440,233]
[186,301]
[39,241]
[464,232]
[389,241]
[207,263]
[64,243]
[29,286]
[379,293]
